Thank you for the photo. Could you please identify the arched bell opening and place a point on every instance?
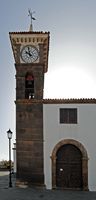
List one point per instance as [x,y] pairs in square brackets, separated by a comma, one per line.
[29,86]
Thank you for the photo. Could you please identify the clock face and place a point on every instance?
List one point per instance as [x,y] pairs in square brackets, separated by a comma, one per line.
[29,54]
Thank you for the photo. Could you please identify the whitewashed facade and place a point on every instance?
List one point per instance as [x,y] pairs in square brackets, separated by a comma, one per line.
[82,134]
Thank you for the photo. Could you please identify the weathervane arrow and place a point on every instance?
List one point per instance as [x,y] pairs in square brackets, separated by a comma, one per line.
[32,18]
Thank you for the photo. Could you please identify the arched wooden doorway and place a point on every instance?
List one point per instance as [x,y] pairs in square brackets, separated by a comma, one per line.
[69,155]
[69,167]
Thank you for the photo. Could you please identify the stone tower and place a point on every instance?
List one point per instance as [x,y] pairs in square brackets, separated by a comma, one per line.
[30,50]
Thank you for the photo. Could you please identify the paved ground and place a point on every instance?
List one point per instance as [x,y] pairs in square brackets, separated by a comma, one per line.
[14,193]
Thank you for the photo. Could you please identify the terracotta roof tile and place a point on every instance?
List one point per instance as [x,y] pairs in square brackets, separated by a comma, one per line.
[69,101]
[58,101]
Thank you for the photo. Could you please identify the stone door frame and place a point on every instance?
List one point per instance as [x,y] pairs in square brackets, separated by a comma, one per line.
[84,162]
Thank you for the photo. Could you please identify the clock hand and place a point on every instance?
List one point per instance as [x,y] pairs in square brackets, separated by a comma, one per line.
[28,52]
[28,49]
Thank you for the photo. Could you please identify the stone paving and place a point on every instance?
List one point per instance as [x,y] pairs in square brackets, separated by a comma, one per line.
[14,193]
[4,180]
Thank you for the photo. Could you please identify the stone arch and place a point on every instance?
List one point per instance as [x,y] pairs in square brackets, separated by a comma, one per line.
[84,161]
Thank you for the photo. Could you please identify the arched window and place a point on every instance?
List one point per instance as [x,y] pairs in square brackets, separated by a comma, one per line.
[29,86]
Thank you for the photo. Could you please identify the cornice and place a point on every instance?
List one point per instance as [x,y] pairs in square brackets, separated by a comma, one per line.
[56,101]
[29,32]
[70,101]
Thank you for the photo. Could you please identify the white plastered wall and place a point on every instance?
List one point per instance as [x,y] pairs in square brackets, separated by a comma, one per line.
[84,132]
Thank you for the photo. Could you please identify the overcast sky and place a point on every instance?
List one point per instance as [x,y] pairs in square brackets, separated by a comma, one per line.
[72,52]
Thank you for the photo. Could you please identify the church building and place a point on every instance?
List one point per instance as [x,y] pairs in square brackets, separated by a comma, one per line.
[55,138]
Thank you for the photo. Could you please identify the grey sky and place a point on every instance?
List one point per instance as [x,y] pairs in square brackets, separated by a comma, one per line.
[72,52]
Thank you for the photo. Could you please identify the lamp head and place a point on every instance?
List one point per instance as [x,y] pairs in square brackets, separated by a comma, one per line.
[9,134]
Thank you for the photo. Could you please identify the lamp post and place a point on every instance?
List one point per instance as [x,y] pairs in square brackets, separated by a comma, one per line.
[9,135]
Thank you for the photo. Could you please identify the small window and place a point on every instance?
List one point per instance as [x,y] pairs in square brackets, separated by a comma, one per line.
[68,115]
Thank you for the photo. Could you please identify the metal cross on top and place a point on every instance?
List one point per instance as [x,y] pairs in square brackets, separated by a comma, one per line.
[32,18]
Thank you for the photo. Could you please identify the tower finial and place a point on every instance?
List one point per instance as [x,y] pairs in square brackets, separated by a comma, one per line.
[32,18]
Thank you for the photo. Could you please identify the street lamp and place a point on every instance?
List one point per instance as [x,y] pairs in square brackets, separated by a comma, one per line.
[9,134]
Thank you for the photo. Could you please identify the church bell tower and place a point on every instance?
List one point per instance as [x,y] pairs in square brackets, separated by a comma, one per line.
[30,50]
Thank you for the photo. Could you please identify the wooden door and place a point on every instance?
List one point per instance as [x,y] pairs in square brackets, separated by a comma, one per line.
[69,167]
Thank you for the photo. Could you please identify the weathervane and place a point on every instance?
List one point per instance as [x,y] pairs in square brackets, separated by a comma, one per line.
[32,18]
